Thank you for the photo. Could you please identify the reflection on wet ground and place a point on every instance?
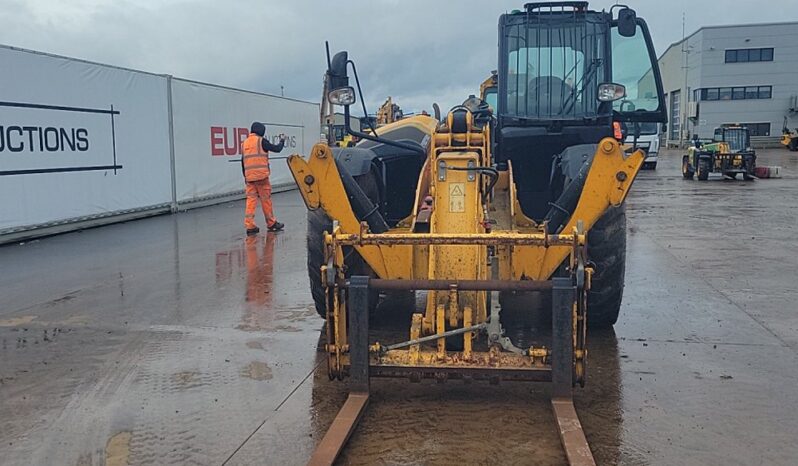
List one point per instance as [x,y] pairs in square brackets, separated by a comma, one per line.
[179,340]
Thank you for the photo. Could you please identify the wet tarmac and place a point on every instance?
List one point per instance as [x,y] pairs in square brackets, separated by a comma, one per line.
[177,340]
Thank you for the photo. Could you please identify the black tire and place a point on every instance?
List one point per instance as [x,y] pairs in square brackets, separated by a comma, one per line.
[318,223]
[703,170]
[653,165]
[793,146]
[687,170]
[607,250]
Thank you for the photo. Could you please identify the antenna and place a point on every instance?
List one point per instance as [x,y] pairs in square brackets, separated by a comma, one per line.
[329,63]
[683,22]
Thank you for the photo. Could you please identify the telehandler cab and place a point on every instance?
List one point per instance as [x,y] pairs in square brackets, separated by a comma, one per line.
[517,195]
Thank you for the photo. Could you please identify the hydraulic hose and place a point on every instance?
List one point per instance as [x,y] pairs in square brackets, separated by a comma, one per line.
[564,206]
[490,172]
[364,209]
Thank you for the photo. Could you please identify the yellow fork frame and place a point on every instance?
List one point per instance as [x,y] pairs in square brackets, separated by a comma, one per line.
[608,182]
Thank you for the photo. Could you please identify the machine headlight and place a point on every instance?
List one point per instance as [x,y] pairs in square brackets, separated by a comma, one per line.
[342,96]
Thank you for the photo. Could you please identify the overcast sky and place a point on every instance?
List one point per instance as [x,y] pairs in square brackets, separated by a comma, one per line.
[418,51]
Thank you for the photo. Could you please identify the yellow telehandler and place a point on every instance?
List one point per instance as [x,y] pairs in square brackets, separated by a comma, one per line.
[519,190]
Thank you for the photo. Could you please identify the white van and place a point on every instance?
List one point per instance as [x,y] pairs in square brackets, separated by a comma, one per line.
[648,140]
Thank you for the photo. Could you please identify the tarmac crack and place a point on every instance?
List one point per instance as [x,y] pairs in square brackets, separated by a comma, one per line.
[277,408]
[706,343]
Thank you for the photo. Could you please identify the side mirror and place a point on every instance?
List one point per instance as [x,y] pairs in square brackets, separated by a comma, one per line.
[337,79]
[610,92]
[337,70]
[627,22]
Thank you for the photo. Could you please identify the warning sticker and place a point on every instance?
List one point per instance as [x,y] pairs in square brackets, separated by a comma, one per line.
[457,197]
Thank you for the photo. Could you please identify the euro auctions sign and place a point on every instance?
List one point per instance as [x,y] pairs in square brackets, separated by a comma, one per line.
[40,138]
[227,140]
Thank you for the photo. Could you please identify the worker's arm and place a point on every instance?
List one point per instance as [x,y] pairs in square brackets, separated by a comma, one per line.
[267,146]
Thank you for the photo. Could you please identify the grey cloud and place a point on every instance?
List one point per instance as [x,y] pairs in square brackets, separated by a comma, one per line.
[416,51]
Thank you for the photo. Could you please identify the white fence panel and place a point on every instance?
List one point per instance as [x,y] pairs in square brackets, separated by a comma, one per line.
[209,123]
[79,140]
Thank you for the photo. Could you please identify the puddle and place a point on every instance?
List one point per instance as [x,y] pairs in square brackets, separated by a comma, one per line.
[254,345]
[15,321]
[257,370]
[117,450]
[185,379]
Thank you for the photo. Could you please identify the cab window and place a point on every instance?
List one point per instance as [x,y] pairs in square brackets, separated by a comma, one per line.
[631,66]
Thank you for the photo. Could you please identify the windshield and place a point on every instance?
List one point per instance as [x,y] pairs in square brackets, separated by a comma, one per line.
[552,69]
[737,139]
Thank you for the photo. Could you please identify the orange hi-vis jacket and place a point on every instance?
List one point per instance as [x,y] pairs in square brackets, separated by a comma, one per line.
[255,159]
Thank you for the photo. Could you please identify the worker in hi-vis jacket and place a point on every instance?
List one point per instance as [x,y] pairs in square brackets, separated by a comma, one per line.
[255,166]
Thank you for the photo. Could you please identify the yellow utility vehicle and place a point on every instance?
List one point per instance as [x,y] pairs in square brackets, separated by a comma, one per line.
[522,195]
[729,153]
[789,138]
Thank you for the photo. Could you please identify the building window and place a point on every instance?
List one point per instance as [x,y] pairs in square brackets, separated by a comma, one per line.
[736,93]
[749,55]
[754,129]
[675,120]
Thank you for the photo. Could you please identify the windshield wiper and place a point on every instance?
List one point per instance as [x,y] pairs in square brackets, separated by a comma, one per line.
[580,87]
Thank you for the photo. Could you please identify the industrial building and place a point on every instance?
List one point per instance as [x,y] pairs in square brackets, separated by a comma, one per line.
[736,74]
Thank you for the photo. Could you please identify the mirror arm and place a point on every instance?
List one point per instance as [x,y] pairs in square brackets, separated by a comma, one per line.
[358,134]
[362,101]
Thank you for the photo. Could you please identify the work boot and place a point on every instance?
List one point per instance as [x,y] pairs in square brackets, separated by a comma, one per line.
[276,226]
[252,231]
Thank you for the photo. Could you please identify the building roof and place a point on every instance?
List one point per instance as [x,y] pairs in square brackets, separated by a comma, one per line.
[722,26]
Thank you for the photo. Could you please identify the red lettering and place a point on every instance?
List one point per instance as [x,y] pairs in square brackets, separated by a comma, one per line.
[230,149]
[216,140]
[228,141]
[242,136]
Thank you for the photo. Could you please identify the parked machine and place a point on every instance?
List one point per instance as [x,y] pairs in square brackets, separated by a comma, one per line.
[489,90]
[389,112]
[526,194]
[729,154]
[789,138]
[648,141]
